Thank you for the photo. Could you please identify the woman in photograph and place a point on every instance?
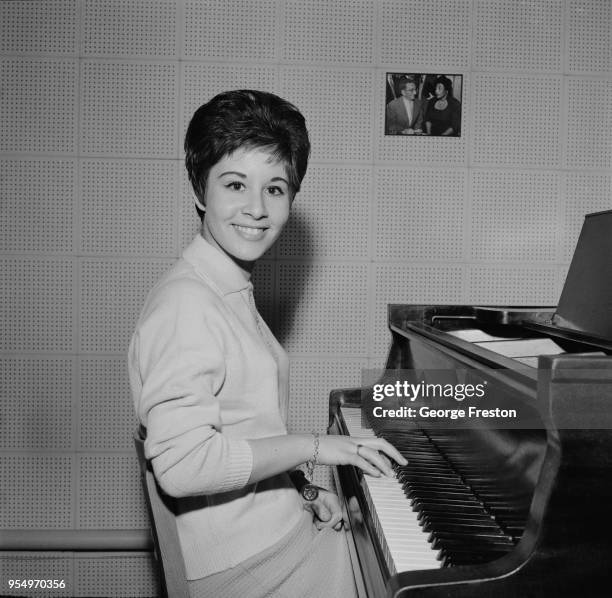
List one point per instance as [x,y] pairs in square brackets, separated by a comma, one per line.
[210,381]
[443,115]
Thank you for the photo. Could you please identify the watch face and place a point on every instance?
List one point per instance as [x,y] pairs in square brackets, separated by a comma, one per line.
[310,492]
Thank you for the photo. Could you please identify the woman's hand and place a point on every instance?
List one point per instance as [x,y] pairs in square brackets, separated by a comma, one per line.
[369,454]
[326,510]
[278,454]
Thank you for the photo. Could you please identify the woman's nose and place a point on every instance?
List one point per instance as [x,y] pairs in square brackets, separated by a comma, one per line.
[255,206]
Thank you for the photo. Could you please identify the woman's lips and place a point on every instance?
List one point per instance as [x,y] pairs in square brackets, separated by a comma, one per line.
[250,233]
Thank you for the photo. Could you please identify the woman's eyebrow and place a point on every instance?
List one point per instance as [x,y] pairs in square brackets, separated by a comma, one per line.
[244,176]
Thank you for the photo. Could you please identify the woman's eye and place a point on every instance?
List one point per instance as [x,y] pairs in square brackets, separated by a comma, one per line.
[235,185]
[274,190]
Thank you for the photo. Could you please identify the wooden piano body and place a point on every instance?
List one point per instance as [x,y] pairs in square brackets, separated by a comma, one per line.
[557,471]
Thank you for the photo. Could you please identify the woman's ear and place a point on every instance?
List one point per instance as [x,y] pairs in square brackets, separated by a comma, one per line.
[198,203]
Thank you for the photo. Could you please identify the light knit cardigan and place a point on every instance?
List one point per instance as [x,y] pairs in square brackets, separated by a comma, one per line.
[207,374]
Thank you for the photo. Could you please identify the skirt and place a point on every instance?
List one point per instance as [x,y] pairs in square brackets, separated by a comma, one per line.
[307,562]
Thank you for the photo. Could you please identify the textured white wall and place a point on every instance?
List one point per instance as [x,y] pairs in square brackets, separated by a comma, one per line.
[95,98]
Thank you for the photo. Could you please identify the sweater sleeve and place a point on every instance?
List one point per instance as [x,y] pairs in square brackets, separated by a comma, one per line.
[178,353]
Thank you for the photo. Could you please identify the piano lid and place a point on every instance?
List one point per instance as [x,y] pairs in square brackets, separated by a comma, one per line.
[584,313]
[586,300]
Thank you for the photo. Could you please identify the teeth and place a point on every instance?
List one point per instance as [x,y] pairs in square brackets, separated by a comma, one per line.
[248,231]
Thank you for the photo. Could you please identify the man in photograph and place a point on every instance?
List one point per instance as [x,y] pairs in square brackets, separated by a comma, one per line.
[404,115]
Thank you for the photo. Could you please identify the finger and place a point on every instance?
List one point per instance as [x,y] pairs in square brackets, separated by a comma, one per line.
[380,462]
[365,465]
[382,445]
[322,512]
[335,522]
[385,459]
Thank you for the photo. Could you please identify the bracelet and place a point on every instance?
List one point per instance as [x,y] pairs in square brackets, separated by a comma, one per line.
[310,491]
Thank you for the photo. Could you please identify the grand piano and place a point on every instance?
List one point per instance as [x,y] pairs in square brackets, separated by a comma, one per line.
[513,504]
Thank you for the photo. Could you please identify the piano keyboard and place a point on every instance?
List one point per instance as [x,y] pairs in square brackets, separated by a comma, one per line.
[405,544]
[430,515]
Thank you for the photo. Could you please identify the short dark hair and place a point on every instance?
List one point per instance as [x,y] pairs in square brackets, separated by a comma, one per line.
[245,119]
[447,84]
[404,82]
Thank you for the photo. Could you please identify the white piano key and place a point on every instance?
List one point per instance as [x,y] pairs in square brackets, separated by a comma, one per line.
[406,540]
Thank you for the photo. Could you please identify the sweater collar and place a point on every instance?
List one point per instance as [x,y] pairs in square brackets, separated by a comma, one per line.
[215,266]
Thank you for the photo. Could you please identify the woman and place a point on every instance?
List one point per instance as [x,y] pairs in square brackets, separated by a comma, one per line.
[443,115]
[210,381]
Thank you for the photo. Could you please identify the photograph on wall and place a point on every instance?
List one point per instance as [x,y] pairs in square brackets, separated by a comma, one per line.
[423,104]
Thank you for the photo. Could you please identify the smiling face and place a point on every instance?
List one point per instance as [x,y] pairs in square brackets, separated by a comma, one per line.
[440,91]
[247,205]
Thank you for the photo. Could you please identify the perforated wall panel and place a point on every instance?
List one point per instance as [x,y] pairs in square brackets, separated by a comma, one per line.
[339,32]
[585,193]
[519,36]
[112,295]
[311,382]
[136,28]
[41,493]
[109,492]
[125,575]
[420,213]
[128,109]
[36,396]
[36,304]
[589,36]
[319,305]
[231,30]
[514,285]
[129,207]
[38,205]
[337,105]
[49,26]
[106,409]
[516,120]
[426,34]
[430,151]
[410,283]
[330,217]
[521,222]
[32,566]
[589,122]
[39,105]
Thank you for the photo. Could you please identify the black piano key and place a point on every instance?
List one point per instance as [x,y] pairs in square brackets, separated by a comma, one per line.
[437,478]
[462,527]
[475,539]
[423,485]
[456,493]
[472,511]
[467,501]
[429,507]
[442,516]
[453,546]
